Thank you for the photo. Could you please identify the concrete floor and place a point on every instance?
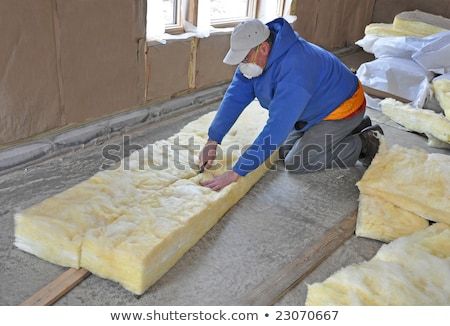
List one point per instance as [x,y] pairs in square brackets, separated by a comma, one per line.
[280,217]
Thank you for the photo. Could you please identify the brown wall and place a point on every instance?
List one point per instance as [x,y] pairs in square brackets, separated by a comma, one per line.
[187,65]
[333,24]
[168,68]
[29,80]
[66,61]
[69,61]
[102,56]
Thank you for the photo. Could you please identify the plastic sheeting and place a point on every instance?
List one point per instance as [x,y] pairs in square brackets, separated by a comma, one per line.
[405,65]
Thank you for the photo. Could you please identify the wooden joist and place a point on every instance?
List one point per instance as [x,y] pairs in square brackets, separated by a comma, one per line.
[56,289]
[276,286]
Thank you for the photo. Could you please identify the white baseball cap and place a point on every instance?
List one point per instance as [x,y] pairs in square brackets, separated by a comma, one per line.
[247,35]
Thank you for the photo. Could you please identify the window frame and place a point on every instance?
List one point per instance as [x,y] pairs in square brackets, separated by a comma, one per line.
[176,28]
[191,15]
[231,22]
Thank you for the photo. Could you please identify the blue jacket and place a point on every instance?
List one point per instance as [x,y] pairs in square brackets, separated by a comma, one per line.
[301,82]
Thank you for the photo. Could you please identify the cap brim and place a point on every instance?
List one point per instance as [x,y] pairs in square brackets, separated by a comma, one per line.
[234,57]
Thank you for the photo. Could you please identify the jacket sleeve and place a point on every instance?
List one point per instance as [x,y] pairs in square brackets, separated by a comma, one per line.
[287,105]
[237,97]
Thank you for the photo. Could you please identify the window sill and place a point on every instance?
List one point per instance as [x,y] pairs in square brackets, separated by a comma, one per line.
[184,36]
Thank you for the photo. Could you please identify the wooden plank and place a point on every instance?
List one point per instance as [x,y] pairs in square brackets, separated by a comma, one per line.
[56,289]
[272,289]
[192,11]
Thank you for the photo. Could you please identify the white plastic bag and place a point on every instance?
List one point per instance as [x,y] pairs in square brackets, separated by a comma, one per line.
[435,54]
[402,77]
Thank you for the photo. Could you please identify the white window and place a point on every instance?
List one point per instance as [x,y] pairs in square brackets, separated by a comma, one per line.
[226,11]
[172,13]
[174,16]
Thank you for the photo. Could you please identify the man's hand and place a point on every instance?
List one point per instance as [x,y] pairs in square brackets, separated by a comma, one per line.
[221,181]
[207,154]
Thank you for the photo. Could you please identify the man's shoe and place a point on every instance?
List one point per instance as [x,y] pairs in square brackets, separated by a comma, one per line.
[365,122]
[370,143]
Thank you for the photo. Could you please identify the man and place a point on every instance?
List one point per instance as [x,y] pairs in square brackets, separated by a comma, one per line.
[316,104]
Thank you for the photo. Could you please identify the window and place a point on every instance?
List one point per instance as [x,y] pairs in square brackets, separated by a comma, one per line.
[163,16]
[199,16]
[231,12]
[170,12]
[172,15]
[226,11]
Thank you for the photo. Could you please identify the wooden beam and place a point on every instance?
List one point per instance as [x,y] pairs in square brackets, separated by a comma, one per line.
[192,12]
[56,289]
[192,72]
[276,286]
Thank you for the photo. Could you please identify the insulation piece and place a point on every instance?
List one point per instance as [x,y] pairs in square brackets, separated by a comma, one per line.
[132,223]
[411,270]
[381,220]
[54,229]
[418,120]
[436,143]
[410,179]
[385,29]
[441,88]
[410,23]
[421,23]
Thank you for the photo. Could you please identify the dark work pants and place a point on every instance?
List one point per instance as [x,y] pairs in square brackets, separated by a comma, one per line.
[325,145]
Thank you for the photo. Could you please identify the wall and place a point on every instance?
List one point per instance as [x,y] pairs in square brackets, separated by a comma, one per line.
[187,65]
[333,24]
[29,80]
[65,62]
[102,56]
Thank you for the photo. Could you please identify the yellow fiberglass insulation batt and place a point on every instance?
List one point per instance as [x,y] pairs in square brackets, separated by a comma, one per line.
[131,225]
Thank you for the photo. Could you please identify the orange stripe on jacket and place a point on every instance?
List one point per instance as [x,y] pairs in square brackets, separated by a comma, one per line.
[350,106]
